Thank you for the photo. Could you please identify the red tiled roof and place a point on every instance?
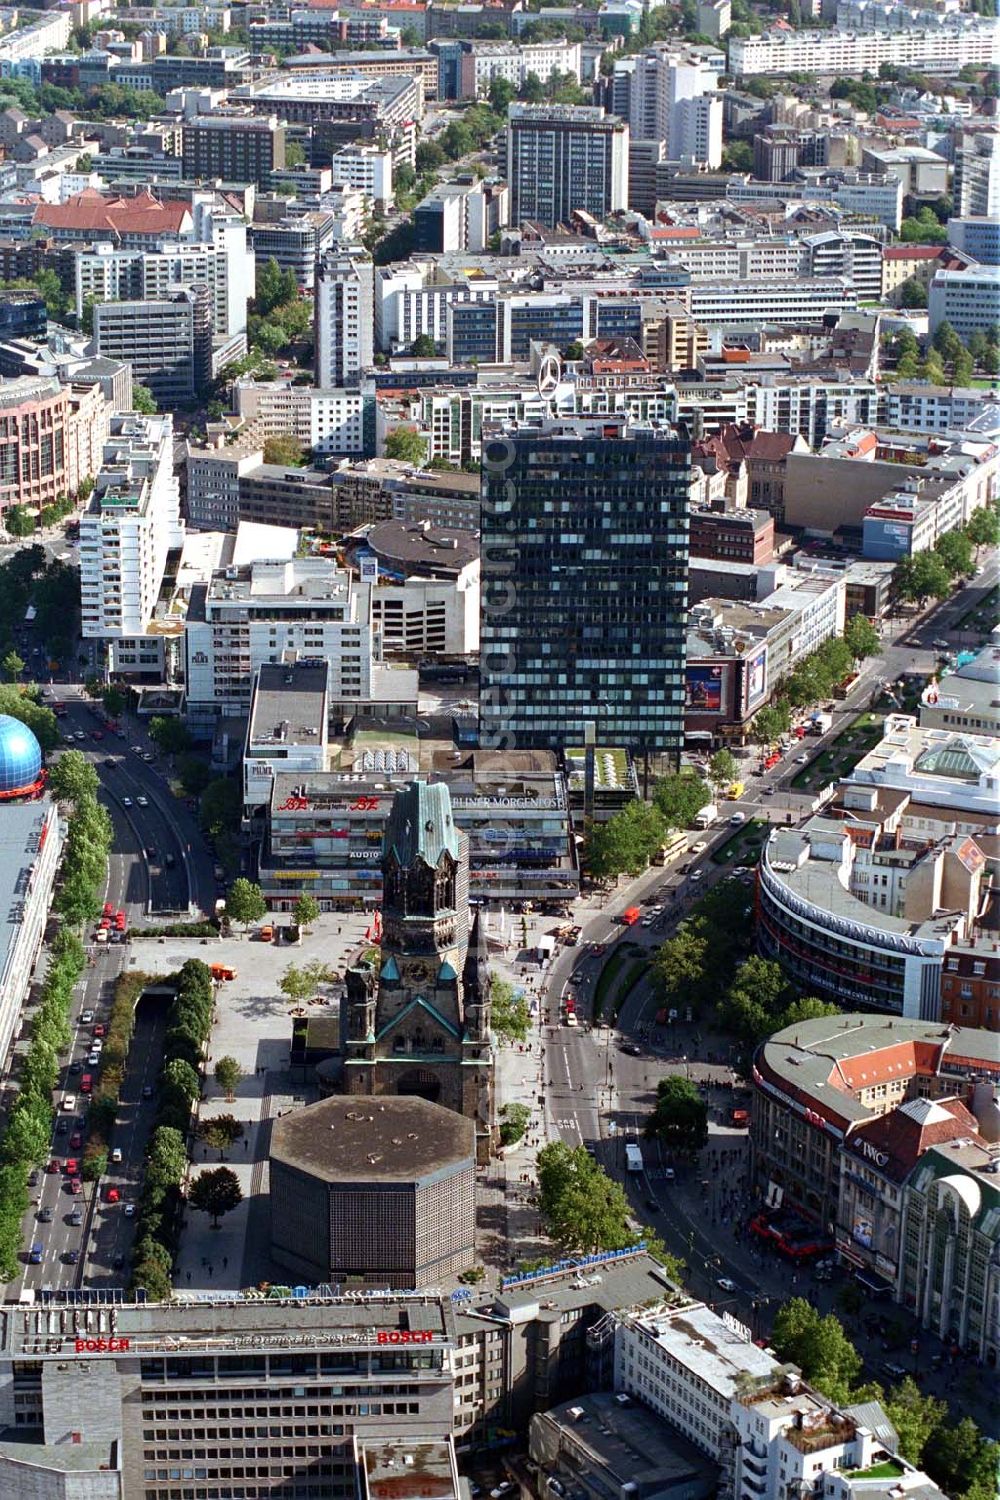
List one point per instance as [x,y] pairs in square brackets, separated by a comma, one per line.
[911,252]
[903,1140]
[752,442]
[91,211]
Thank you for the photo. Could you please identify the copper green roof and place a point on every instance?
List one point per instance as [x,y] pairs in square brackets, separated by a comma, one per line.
[420,824]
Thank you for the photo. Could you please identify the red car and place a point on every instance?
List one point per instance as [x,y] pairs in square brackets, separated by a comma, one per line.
[109,910]
[100,1029]
[76,1141]
[97,734]
[72,1166]
[114,1196]
[75,1186]
[54,1166]
[570,1005]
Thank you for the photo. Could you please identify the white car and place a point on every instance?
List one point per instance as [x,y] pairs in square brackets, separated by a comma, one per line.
[126,802]
[94,1060]
[697,874]
[699,847]
[129,1210]
[136,749]
[142,801]
[738,817]
[116,1155]
[725,1283]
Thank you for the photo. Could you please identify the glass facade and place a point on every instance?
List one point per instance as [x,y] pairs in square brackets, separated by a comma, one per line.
[584,585]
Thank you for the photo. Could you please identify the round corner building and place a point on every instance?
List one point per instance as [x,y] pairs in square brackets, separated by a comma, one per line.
[373,1191]
[20,760]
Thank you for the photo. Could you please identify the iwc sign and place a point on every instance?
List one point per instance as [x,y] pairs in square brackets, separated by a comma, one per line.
[549,375]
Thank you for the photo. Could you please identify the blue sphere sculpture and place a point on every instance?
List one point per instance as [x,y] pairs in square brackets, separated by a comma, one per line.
[20,757]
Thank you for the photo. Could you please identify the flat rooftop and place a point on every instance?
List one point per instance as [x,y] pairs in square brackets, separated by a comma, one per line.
[397,1139]
[289,705]
[221,1324]
[20,827]
[410,1469]
[703,1343]
[639,1452]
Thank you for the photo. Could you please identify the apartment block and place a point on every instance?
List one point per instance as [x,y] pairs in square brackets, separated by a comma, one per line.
[563,157]
[344,308]
[131,523]
[942,49]
[302,609]
[167,342]
[50,438]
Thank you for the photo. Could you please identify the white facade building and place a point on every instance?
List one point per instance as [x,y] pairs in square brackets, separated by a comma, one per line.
[130,525]
[367,168]
[686,1363]
[301,609]
[969,300]
[672,97]
[344,316]
[48,33]
[105,273]
[429,614]
[942,49]
[977,177]
[729,303]
[325,421]
[30,839]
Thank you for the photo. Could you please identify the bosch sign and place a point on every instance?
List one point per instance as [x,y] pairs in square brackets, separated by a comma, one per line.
[101,1346]
[404,1336]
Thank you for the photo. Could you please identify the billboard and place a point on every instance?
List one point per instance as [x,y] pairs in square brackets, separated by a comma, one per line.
[754,679]
[703,690]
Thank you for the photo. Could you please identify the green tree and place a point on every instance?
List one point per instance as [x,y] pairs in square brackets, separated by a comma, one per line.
[680,797]
[306,910]
[947,342]
[274,287]
[962,1461]
[220,1132]
[172,736]
[818,1345]
[807,1009]
[227,1075]
[680,1116]
[428,156]
[680,968]
[723,769]
[955,551]
[510,1014]
[296,984]
[406,445]
[12,666]
[220,808]
[216,1192]
[143,400]
[861,638]
[757,997]
[916,1418]
[738,157]
[962,369]
[114,701]
[771,722]
[583,1209]
[166,1158]
[18,521]
[983,528]
[72,777]
[514,1121]
[922,576]
[913,294]
[284,449]
[179,1075]
[423,347]
[193,773]
[502,93]
[907,367]
[626,843]
[295,155]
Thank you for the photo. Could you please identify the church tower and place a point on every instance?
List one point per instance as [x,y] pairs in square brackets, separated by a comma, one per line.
[421,1025]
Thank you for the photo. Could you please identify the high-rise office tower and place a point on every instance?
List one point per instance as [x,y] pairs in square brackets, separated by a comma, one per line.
[584,585]
[565,156]
[345,316]
[670,94]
